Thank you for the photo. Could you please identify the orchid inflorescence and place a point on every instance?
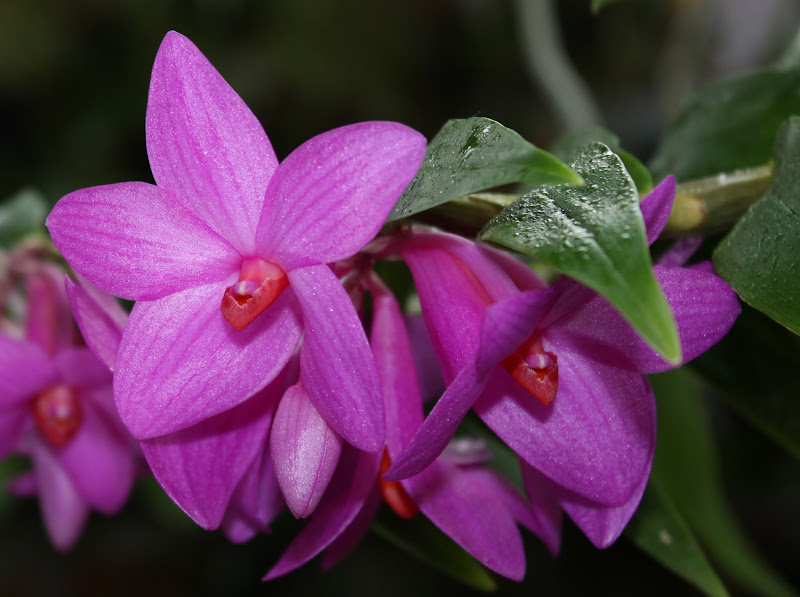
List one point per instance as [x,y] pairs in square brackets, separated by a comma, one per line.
[266,364]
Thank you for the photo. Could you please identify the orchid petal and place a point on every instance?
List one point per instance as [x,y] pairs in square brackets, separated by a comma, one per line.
[63,509]
[181,362]
[205,145]
[200,466]
[14,422]
[348,491]
[337,366]
[601,524]
[595,438]
[48,320]
[132,239]
[704,306]
[506,325]
[680,251]
[305,451]
[351,537]
[471,513]
[99,461]
[331,195]
[545,509]
[656,207]
[425,362]
[79,368]
[100,319]
[25,370]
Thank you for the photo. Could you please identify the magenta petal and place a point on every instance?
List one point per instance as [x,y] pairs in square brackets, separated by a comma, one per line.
[545,509]
[704,306]
[48,319]
[331,195]
[305,451]
[100,318]
[199,467]
[336,362]
[14,422]
[25,370]
[100,462]
[79,368]
[467,509]
[656,206]
[681,251]
[181,362]
[63,509]
[205,145]
[597,436]
[349,489]
[133,240]
[352,536]
[602,524]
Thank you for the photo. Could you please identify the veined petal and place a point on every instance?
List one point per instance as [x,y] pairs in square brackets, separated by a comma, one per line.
[181,362]
[705,308]
[470,512]
[596,438]
[25,370]
[338,371]
[545,509]
[99,462]
[205,145]
[133,240]
[601,524]
[200,466]
[305,451]
[506,325]
[63,509]
[656,207]
[100,318]
[351,485]
[331,195]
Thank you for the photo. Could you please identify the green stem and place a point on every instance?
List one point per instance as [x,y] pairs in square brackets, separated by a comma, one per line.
[704,206]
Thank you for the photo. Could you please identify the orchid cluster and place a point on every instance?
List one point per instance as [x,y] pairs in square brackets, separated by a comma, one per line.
[266,364]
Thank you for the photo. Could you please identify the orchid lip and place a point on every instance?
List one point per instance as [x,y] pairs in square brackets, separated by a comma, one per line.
[535,369]
[57,413]
[260,284]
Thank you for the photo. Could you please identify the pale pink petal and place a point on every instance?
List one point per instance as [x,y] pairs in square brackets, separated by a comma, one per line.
[25,370]
[331,195]
[205,145]
[545,508]
[337,366]
[704,306]
[199,467]
[656,207]
[181,362]
[462,505]
[100,319]
[133,240]
[597,436]
[305,451]
[63,509]
[601,524]
[99,462]
[350,487]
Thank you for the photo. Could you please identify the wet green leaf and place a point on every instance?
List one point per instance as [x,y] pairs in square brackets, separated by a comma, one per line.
[421,539]
[729,125]
[473,155]
[760,257]
[686,468]
[659,530]
[595,234]
[21,214]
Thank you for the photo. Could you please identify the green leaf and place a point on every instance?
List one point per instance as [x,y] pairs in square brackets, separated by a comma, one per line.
[760,256]
[595,234]
[598,5]
[686,468]
[473,155]
[569,145]
[21,214]
[659,530]
[421,539]
[729,125]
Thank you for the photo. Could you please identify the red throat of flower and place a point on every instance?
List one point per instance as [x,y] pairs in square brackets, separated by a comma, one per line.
[260,283]
[57,413]
[534,369]
[394,494]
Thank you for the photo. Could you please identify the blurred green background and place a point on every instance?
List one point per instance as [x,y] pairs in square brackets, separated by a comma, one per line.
[73,87]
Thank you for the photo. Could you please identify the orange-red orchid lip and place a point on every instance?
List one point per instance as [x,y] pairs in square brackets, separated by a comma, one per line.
[57,413]
[260,284]
[534,369]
